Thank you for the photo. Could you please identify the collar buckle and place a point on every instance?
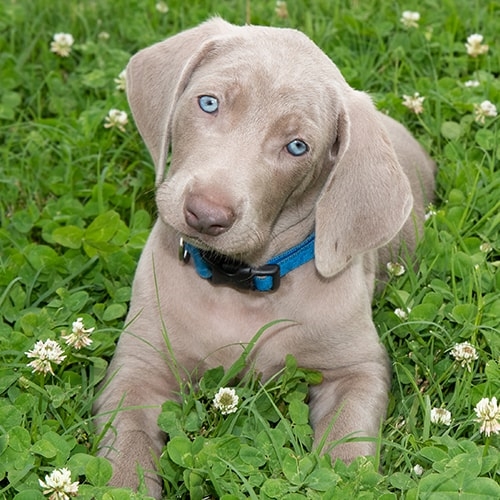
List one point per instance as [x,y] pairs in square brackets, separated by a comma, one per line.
[241,276]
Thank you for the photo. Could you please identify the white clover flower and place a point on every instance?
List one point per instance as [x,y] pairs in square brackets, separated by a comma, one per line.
[440,416]
[486,108]
[414,103]
[475,46]
[472,83]
[61,44]
[395,268]
[400,423]
[116,118]
[226,400]
[485,247]
[402,313]
[410,19]
[281,9]
[103,36]
[44,354]
[121,80]
[418,470]
[465,353]
[79,336]
[58,485]
[161,7]
[431,212]
[488,415]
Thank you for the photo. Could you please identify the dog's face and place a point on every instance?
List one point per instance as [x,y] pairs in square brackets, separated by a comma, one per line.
[251,142]
[268,144]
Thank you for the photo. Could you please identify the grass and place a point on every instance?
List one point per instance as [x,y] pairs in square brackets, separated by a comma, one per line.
[77,204]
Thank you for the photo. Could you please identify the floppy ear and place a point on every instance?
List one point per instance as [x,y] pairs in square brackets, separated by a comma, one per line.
[157,75]
[367,197]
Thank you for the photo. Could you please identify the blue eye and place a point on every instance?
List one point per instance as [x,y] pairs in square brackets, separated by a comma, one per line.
[297,147]
[208,103]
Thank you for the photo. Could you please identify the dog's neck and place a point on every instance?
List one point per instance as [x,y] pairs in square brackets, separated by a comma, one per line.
[222,270]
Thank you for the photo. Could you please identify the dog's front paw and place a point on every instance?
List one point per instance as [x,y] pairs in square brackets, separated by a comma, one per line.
[130,453]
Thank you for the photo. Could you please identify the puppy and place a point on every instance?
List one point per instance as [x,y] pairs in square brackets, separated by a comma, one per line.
[289,191]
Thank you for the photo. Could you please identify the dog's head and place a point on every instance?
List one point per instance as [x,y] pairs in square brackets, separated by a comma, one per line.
[268,144]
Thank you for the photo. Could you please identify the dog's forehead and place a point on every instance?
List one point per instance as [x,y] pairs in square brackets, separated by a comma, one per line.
[269,62]
[272,52]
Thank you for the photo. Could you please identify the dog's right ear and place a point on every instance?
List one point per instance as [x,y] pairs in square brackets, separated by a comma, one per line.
[157,75]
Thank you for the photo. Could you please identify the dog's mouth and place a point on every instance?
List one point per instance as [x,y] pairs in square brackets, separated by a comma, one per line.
[218,249]
[208,253]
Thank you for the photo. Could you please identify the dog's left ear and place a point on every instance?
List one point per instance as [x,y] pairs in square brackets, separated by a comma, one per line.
[367,197]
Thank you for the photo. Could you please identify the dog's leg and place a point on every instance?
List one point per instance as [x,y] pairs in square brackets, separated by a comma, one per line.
[133,440]
[130,449]
[130,402]
[350,402]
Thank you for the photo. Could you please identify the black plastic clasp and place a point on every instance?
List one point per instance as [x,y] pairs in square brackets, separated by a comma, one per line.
[241,276]
[272,271]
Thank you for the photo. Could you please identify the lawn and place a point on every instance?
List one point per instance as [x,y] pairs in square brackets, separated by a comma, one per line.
[77,204]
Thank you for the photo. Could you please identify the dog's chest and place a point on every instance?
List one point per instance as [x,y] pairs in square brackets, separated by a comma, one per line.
[212,325]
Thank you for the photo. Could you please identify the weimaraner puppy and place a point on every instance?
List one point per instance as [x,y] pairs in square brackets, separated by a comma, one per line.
[289,190]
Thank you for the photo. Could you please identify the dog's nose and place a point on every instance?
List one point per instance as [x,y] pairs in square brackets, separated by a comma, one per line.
[207,216]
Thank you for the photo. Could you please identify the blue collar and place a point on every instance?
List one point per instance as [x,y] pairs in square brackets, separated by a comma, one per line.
[222,270]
